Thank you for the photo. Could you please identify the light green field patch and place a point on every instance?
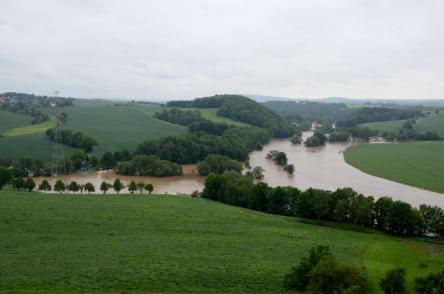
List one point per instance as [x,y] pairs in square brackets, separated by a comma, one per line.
[211,114]
[39,128]
[431,123]
[355,105]
[382,126]
[419,164]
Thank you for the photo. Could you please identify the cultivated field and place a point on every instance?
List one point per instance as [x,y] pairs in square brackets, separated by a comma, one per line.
[163,243]
[431,123]
[117,127]
[419,164]
[9,120]
[35,145]
[382,126]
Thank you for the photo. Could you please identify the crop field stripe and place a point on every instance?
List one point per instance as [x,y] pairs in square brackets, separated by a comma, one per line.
[10,120]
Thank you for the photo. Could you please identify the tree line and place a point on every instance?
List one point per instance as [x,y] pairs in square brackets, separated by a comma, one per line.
[190,148]
[377,114]
[76,140]
[342,205]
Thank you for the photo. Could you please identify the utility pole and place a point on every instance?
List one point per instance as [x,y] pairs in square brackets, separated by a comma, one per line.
[58,158]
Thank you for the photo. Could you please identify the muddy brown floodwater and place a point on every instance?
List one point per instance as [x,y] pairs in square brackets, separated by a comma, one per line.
[318,167]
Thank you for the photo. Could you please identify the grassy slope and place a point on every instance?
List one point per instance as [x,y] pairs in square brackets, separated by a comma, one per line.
[211,114]
[116,128]
[9,120]
[431,123]
[35,145]
[155,243]
[418,164]
[39,128]
[389,126]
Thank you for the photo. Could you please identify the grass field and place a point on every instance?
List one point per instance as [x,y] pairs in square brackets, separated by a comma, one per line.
[431,123]
[10,120]
[162,243]
[35,145]
[419,164]
[389,126]
[39,128]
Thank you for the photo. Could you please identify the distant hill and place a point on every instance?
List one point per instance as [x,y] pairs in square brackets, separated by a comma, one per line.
[425,102]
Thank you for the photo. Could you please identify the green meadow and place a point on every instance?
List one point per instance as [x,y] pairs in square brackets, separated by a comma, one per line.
[211,114]
[382,126]
[75,243]
[10,120]
[419,164]
[431,123]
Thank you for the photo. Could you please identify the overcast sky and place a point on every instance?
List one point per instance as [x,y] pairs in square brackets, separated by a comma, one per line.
[162,50]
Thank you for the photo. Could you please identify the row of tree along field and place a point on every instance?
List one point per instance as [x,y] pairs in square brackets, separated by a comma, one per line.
[342,205]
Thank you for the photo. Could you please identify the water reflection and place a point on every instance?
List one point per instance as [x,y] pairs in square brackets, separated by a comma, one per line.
[318,167]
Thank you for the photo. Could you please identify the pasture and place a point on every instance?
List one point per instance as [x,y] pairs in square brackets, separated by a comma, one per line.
[163,243]
[10,120]
[431,123]
[419,164]
[382,126]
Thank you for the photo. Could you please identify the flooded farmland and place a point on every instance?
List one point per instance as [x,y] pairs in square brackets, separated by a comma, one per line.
[318,167]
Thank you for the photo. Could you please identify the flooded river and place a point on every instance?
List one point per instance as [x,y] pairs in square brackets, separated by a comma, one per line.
[318,167]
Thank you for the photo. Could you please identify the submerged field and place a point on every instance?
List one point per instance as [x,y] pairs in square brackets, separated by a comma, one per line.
[163,243]
[419,164]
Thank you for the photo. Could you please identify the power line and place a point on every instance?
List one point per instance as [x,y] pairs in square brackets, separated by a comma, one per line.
[58,157]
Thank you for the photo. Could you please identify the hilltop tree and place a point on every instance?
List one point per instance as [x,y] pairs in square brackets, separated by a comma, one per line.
[45,186]
[59,186]
[30,184]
